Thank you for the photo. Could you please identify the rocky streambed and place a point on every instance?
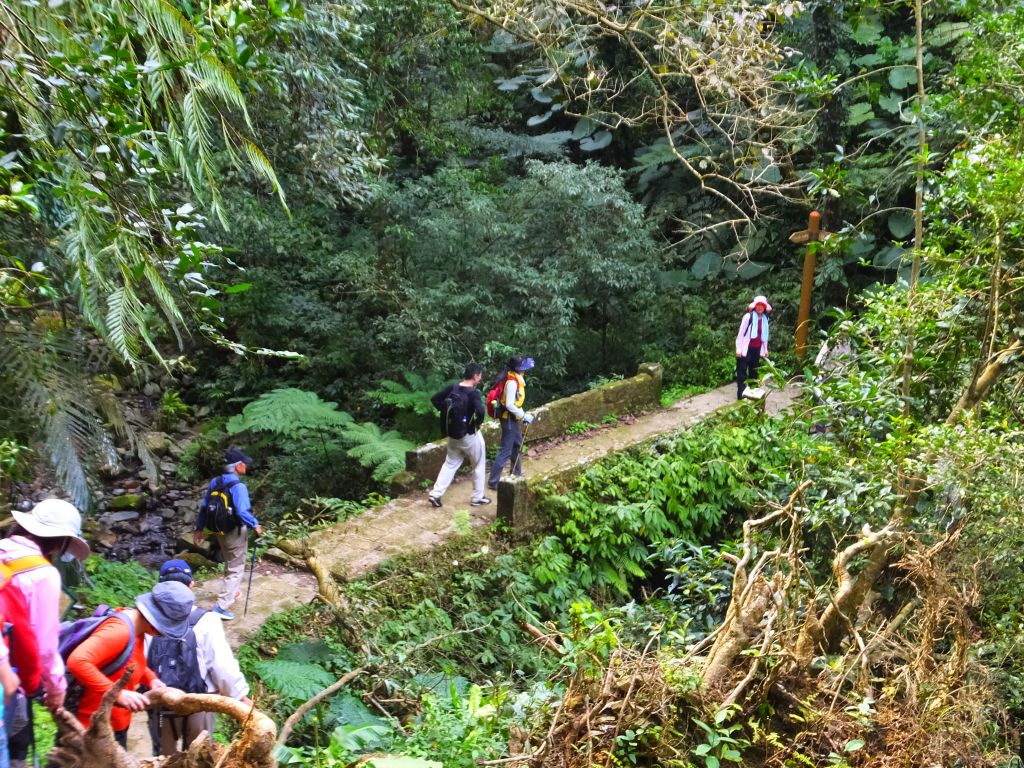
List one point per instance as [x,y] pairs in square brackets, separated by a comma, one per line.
[133,516]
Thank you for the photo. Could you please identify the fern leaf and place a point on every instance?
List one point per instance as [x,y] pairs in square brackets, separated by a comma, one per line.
[384,452]
[415,396]
[294,679]
[289,412]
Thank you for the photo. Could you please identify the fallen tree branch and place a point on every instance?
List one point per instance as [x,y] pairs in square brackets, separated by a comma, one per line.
[544,640]
[298,714]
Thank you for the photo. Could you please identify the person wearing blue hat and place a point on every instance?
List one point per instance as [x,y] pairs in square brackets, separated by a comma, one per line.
[216,670]
[228,493]
[512,415]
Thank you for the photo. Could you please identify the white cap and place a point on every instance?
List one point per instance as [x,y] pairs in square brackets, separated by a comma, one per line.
[53,518]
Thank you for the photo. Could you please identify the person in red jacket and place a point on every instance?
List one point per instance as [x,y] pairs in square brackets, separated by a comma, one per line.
[163,611]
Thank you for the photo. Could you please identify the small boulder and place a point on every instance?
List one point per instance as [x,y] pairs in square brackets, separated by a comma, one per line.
[120,517]
[152,389]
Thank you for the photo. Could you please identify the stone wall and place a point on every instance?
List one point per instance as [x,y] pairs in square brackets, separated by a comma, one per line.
[638,393]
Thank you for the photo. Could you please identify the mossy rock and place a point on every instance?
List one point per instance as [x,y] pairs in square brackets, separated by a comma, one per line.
[127,501]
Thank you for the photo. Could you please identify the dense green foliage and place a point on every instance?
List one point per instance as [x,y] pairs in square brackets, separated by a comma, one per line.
[593,185]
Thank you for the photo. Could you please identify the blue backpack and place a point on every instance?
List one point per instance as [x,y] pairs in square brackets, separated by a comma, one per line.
[74,633]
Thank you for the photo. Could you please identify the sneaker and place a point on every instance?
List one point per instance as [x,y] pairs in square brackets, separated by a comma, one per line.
[493,486]
[223,613]
[435,501]
[480,502]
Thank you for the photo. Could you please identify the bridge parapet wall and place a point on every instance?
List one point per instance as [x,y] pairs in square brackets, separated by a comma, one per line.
[637,393]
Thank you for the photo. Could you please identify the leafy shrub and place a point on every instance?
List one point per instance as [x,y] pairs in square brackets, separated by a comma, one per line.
[622,508]
[459,729]
[203,457]
[172,411]
[303,423]
[112,583]
[579,428]
[13,456]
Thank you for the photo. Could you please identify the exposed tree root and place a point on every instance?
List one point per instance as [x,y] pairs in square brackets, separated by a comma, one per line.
[95,747]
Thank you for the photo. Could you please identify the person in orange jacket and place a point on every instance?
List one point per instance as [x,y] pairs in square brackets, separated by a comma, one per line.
[163,611]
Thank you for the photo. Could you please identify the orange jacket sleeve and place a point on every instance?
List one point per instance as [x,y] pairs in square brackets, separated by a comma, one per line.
[96,651]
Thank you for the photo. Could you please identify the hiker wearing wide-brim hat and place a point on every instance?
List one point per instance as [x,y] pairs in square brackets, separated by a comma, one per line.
[202,663]
[751,342]
[162,611]
[39,537]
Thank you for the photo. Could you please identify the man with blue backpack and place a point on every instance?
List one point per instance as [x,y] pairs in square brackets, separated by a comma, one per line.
[200,662]
[226,513]
[462,412]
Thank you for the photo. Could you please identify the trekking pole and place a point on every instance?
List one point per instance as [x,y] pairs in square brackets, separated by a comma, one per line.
[515,465]
[252,568]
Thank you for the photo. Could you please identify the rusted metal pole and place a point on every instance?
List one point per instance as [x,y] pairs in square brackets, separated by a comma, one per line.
[810,259]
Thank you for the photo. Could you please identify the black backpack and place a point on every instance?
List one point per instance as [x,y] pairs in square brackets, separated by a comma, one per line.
[217,513]
[456,413]
[176,662]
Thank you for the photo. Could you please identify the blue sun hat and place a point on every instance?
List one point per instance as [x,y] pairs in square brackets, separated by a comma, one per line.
[526,365]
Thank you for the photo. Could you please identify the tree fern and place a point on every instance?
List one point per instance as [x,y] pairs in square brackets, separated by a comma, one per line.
[374,448]
[289,412]
[414,395]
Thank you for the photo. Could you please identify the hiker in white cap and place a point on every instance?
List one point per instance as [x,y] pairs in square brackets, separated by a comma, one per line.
[52,529]
[751,343]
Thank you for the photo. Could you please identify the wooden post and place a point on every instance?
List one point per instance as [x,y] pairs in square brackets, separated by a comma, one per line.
[812,234]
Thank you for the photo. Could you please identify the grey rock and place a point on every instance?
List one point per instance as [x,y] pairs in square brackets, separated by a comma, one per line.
[121,517]
[152,389]
[150,524]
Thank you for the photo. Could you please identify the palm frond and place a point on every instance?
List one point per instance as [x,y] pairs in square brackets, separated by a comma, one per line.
[215,79]
[262,166]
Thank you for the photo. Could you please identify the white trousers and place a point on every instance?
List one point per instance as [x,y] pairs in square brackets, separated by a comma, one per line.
[471,448]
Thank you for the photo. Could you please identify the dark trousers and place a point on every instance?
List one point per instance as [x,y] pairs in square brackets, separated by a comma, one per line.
[511,443]
[746,369]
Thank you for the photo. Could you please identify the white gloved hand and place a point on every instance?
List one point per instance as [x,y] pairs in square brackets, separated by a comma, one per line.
[527,418]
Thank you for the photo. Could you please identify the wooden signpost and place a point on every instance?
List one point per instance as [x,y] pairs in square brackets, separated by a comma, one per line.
[813,234]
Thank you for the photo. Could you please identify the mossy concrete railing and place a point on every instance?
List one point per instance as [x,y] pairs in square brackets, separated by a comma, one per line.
[638,393]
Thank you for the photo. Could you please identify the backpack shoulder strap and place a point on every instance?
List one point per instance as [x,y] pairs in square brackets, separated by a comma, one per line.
[196,615]
[126,653]
[27,563]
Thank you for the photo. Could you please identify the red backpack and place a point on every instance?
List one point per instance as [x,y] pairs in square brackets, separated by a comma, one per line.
[494,398]
[17,626]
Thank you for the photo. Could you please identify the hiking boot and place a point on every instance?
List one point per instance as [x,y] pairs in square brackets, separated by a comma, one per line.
[480,502]
[493,486]
[435,501]
[224,613]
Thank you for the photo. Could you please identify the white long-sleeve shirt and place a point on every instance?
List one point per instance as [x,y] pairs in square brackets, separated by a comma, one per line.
[216,660]
[511,394]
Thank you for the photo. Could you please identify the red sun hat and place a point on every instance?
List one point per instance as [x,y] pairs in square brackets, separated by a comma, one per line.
[759,300]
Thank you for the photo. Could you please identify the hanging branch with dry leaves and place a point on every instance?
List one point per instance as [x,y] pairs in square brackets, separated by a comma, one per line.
[709,78]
